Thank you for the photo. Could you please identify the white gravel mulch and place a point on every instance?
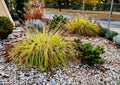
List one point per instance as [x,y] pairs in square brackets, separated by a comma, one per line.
[107,74]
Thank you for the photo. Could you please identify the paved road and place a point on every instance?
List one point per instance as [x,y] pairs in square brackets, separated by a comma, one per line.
[51,14]
[113,23]
[103,22]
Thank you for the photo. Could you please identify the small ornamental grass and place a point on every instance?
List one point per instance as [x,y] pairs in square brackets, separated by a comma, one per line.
[83,27]
[45,50]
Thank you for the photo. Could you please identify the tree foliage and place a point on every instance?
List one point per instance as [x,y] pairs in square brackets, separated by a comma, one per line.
[86,1]
[73,1]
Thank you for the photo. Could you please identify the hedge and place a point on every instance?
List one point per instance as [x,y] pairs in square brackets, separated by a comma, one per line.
[78,6]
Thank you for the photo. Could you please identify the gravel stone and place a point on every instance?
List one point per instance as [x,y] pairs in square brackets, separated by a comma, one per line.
[75,74]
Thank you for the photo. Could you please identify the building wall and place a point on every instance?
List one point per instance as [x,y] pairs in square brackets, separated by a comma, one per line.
[4,10]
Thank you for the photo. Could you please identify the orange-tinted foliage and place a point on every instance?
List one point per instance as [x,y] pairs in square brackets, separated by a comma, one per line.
[36,13]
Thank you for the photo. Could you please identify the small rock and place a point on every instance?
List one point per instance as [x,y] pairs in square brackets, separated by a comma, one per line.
[107,67]
[1,66]
[1,83]
[1,47]
[77,67]
[10,36]
[17,23]
[4,75]
[26,74]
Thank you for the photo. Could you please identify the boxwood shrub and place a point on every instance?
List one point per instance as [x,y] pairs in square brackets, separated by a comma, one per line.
[6,27]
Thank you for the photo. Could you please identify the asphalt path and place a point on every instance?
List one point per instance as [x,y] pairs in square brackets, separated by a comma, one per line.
[103,22]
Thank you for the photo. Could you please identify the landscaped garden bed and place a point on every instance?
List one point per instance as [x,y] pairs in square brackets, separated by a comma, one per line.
[70,52]
[75,73]
[61,51]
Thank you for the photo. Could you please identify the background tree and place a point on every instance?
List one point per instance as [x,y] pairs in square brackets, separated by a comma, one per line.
[11,4]
[20,4]
[59,3]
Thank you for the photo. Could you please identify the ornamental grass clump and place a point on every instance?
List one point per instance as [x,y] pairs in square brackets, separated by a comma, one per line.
[34,19]
[83,27]
[45,50]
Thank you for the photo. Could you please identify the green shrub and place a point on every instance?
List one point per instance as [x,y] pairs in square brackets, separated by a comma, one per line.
[49,5]
[107,33]
[116,7]
[78,6]
[103,6]
[83,27]
[103,32]
[56,20]
[110,34]
[45,50]
[89,6]
[20,8]
[118,82]
[6,27]
[89,54]
[14,15]
[116,39]
[106,6]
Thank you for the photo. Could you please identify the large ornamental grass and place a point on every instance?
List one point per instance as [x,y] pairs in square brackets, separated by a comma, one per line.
[45,50]
[83,27]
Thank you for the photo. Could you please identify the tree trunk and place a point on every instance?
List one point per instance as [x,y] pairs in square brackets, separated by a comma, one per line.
[59,4]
